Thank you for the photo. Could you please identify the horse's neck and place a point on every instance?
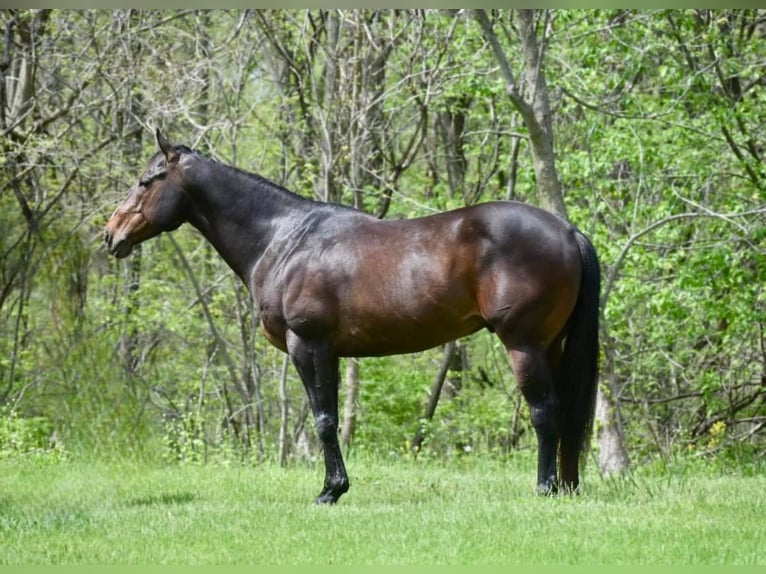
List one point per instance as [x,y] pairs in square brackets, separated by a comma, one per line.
[240,217]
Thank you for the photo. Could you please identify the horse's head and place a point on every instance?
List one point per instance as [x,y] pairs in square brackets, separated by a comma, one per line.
[155,204]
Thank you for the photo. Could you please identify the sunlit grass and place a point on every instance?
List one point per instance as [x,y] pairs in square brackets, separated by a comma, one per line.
[398,512]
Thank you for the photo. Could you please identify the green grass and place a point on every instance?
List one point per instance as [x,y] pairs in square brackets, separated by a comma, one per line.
[399,512]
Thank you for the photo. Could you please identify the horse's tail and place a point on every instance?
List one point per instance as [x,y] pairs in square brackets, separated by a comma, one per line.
[578,373]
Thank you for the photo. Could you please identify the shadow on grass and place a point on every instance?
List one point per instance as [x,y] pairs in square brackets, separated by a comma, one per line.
[164,499]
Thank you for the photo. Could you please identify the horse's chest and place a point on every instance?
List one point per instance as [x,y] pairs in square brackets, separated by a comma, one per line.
[273,325]
[270,313]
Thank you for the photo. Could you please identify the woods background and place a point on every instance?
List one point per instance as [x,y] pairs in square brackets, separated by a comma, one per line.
[658,131]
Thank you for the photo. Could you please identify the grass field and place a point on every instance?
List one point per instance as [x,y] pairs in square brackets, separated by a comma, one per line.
[400,512]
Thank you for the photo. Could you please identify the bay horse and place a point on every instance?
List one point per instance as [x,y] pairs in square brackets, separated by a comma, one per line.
[330,281]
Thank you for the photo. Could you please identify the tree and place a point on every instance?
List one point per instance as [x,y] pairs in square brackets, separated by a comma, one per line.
[670,184]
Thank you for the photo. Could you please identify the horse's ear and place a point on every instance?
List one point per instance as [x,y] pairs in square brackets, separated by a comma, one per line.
[171,154]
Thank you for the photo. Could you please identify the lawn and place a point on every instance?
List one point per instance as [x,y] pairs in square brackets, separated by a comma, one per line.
[469,511]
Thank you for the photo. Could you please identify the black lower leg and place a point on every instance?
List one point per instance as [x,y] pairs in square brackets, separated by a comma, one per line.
[544,421]
[533,378]
[336,479]
[317,366]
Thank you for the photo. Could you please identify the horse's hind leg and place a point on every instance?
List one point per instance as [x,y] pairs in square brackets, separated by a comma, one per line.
[317,366]
[534,379]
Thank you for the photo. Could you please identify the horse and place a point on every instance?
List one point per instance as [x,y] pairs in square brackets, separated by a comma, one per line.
[330,281]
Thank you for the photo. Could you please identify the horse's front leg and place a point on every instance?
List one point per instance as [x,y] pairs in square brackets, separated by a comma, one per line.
[317,366]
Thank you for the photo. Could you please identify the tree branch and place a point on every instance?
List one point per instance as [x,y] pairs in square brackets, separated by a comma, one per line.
[657,224]
[511,87]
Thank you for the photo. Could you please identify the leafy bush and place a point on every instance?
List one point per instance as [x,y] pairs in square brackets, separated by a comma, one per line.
[21,436]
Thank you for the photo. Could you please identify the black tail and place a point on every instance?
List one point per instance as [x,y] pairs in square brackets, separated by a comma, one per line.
[578,379]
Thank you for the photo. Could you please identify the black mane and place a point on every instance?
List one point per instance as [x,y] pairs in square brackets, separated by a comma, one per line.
[258,179]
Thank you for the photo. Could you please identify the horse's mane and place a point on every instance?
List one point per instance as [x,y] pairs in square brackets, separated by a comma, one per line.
[256,178]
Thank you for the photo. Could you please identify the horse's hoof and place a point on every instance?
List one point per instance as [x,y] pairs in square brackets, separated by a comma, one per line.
[331,494]
[326,498]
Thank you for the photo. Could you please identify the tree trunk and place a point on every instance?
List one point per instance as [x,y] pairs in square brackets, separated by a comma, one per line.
[450,126]
[283,412]
[352,397]
[540,123]
[433,400]
[129,340]
[612,454]
[17,100]
[130,351]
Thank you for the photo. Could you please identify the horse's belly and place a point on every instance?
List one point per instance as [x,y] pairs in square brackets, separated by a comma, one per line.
[395,338]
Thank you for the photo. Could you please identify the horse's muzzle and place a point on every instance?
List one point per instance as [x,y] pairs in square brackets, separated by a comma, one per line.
[119,248]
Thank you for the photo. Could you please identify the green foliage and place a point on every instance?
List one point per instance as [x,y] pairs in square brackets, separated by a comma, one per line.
[22,437]
[478,420]
[652,176]
[392,397]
